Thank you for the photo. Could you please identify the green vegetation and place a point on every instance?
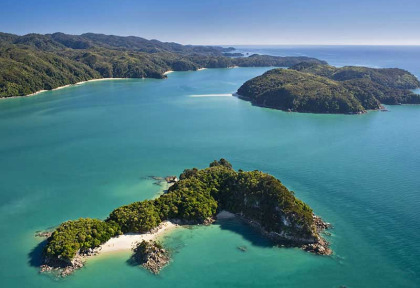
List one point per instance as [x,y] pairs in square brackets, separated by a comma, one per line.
[36,62]
[317,88]
[81,234]
[199,195]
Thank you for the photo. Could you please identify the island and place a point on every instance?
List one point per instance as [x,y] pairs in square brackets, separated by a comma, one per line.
[319,88]
[34,62]
[199,195]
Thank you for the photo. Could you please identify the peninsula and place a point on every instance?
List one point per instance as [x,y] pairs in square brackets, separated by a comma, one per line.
[36,62]
[319,88]
[256,197]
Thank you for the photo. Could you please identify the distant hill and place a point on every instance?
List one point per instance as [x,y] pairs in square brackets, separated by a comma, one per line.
[318,88]
[36,62]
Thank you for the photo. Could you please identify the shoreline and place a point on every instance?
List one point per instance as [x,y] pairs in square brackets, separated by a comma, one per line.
[121,243]
[64,86]
[128,241]
[91,80]
[171,71]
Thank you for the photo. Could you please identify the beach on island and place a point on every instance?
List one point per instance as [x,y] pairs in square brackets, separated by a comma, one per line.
[129,240]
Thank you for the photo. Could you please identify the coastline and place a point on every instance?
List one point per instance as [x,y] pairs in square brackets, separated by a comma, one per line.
[121,243]
[83,82]
[171,71]
[128,241]
[64,86]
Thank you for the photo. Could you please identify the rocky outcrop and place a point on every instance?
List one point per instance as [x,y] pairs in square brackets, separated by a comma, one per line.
[321,246]
[151,255]
[62,268]
[315,244]
[44,234]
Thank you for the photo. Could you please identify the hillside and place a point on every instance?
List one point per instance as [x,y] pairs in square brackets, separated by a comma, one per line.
[317,88]
[37,62]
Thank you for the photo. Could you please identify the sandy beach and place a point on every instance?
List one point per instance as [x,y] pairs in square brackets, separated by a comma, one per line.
[65,86]
[82,82]
[170,71]
[127,241]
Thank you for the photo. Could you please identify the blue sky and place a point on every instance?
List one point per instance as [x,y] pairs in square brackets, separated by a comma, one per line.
[223,22]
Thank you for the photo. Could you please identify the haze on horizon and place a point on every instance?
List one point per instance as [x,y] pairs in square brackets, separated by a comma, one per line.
[216,22]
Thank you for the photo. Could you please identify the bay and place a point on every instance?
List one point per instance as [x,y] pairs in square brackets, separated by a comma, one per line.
[84,150]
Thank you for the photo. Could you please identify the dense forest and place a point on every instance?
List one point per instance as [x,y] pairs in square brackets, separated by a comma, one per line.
[319,88]
[37,62]
[197,196]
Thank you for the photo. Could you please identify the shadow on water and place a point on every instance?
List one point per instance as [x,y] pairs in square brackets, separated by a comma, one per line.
[132,261]
[35,255]
[247,232]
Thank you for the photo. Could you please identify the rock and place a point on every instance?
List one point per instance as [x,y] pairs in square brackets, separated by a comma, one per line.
[208,221]
[242,248]
[45,234]
[171,179]
[151,255]
[60,267]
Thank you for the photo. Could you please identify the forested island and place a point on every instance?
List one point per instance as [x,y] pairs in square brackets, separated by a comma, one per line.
[256,197]
[37,62]
[319,88]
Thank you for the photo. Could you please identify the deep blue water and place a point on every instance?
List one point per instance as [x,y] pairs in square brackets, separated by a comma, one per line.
[405,57]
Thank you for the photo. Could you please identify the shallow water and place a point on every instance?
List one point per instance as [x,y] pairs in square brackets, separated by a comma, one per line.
[82,151]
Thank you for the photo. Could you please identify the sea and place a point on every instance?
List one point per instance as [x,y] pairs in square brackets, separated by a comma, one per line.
[84,150]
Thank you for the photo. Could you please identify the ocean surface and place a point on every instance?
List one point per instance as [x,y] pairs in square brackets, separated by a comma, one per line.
[82,151]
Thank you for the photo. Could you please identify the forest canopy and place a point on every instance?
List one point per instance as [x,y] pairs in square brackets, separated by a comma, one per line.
[318,88]
[35,62]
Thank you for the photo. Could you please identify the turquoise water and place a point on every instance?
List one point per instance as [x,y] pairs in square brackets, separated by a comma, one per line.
[82,151]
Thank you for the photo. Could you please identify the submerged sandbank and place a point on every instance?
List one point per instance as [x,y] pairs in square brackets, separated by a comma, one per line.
[212,95]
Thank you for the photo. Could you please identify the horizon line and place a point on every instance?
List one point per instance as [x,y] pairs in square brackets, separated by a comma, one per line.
[236,44]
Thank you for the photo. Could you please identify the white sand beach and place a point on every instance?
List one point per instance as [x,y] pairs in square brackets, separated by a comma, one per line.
[94,80]
[65,86]
[167,72]
[127,241]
